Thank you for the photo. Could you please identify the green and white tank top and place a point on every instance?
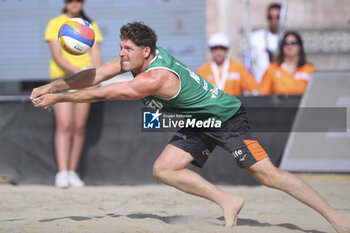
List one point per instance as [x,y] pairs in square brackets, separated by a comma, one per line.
[196,97]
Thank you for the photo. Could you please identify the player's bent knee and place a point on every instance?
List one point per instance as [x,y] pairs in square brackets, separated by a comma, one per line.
[267,181]
[162,172]
[160,175]
[272,178]
[266,175]
[155,172]
[158,171]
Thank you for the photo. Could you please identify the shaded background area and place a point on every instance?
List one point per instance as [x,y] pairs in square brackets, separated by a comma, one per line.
[115,150]
[183,27]
[180,26]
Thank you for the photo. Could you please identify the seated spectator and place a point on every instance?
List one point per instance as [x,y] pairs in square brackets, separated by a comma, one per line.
[290,74]
[227,74]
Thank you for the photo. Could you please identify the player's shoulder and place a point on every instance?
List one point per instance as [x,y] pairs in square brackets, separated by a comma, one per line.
[154,78]
[159,72]
[155,74]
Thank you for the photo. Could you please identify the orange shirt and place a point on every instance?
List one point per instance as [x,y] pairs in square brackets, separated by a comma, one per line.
[233,81]
[277,80]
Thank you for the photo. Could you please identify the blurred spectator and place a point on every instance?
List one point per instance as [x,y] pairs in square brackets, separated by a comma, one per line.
[70,117]
[227,74]
[264,43]
[290,74]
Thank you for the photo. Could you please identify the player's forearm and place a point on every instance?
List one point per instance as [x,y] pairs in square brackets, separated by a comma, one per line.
[89,77]
[116,91]
[82,96]
[80,80]
[83,79]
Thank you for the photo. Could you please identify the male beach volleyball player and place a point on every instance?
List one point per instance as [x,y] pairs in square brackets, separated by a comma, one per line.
[163,81]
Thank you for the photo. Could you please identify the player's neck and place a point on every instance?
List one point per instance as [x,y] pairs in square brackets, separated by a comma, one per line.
[145,64]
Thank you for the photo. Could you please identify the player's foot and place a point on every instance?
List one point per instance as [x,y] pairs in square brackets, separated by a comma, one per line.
[61,179]
[232,210]
[74,179]
[343,226]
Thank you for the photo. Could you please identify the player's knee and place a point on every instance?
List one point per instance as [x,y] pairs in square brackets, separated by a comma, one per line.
[271,178]
[157,171]
[160,172]
[268,178]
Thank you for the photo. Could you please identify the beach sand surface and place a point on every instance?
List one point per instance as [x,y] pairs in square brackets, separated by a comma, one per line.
[163,209]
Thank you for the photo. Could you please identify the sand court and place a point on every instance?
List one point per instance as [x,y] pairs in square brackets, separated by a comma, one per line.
[161,209]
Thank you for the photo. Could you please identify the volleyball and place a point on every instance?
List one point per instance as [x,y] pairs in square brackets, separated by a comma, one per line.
[76,36]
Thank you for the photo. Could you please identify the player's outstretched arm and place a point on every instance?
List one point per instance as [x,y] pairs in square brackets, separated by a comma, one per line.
[80,80]
[143,85]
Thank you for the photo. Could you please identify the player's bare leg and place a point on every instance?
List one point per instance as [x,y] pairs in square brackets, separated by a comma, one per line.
[269,175]
[170,168]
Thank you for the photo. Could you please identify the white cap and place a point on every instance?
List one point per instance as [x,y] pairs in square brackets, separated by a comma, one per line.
[219,39]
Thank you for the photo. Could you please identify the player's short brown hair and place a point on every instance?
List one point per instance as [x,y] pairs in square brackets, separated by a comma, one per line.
[140,34]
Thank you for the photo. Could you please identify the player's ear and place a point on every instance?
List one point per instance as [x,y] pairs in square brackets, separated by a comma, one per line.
[146,51]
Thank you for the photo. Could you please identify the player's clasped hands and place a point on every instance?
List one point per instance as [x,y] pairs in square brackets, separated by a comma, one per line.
[42,99]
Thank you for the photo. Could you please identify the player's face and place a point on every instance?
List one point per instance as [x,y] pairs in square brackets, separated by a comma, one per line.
[132,56]
[74,7]
[219,54]
[291,47]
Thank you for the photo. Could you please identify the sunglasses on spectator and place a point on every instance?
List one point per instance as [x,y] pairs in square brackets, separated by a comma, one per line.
[273,17]
[69,1]
[290,43]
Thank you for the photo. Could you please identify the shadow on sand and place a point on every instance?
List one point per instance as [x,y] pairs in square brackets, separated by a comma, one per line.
[181,219]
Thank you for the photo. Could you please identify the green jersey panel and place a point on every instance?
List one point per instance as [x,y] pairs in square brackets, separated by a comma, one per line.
[196,97]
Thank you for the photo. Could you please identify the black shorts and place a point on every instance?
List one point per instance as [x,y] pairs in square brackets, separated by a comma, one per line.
[234,136]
